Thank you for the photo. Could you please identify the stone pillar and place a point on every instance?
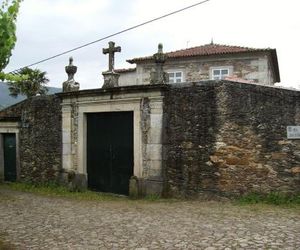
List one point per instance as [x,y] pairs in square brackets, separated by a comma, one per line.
[70,84]
[1,159]
[157,75]
[111,79]
[66,138]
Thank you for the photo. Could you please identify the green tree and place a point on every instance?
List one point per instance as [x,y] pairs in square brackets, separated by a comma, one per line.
[34,83]
[8,15]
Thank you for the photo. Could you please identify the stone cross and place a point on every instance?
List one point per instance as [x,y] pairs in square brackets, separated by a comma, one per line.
[111,50]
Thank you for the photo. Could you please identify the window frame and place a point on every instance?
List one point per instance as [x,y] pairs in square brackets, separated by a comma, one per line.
[221,76]
[175,72]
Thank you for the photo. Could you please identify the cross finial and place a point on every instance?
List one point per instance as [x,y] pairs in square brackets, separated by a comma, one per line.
[111,50]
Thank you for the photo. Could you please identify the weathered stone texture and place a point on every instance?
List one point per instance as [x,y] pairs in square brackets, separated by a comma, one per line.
[230,139]
[190,132]
[145,127]
[40,137]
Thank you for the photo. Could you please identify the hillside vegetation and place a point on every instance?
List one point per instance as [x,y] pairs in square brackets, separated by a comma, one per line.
[6,100]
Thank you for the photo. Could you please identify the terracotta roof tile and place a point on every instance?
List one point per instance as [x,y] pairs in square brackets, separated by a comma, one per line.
[125,70]
[204,50]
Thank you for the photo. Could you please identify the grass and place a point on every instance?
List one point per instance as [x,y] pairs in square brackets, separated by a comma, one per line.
[55,190]
[274,198]
[51,189]
[152,197]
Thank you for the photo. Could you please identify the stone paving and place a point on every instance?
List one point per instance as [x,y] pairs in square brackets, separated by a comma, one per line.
[37,222]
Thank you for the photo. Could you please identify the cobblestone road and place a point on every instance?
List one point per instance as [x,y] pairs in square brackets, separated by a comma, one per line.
[37,222]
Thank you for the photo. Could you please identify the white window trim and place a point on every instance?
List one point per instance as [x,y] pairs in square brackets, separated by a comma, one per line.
[176,71]
[211,70]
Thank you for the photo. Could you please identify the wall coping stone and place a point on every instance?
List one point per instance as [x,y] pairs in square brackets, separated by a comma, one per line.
[272,90]
[123,89]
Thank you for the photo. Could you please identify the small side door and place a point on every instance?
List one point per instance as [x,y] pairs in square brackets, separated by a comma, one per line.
[10,169]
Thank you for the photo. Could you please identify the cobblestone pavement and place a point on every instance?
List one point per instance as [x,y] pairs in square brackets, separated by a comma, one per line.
[37,222]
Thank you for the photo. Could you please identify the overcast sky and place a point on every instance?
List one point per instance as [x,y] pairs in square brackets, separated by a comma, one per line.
[48,27]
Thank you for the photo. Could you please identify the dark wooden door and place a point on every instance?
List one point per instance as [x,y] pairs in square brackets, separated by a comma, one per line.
[10,171]
[110,151]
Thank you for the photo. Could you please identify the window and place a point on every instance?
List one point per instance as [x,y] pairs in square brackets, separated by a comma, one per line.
[175,77]
[219,73]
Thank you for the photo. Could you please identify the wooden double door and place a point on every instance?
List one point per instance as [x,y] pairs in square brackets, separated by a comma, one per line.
[110,151]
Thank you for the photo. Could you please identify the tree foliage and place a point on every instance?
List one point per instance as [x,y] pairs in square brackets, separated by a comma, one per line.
[8,15]
[34,83]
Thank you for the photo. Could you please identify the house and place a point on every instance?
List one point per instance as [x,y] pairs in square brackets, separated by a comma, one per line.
[205,137]
[209,62]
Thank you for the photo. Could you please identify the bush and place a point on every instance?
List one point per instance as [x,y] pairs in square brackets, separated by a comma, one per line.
[273,198]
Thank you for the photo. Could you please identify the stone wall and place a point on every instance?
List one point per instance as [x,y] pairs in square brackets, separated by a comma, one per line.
[230,139]
[39,137]
[221,138]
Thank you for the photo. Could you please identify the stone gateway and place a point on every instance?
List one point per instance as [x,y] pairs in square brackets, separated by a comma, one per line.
[182,140]
[117,129]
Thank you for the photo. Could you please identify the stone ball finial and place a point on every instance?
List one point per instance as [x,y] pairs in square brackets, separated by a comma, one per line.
[157,74]
[71,69]
[70,84]
[160,48]
[160,57]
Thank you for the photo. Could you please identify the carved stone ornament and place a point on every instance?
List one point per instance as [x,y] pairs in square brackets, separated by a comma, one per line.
[70,84]
[157,74]
[111,50]
[111,78]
